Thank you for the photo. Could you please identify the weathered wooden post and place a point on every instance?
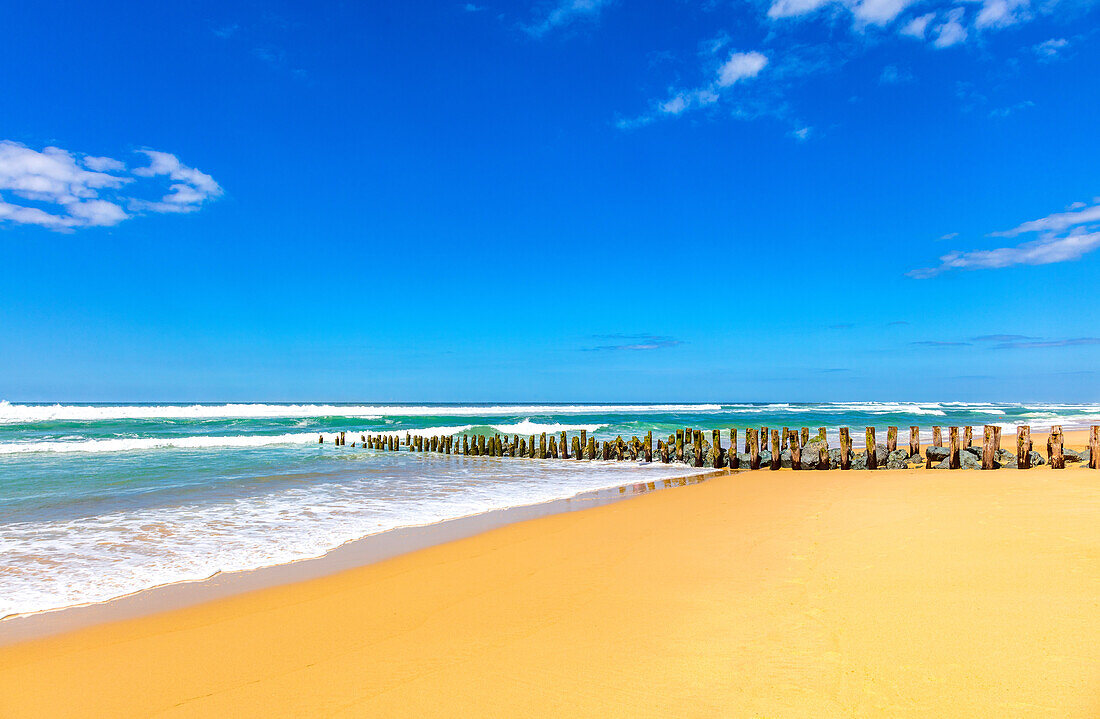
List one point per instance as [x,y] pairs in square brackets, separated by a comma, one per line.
[591,448]
[1023,446]
[752,440]
[532,450]
[320,439]
[845,449]
[823,453]
[1054,444]
[1094,447]
[466,445]
[605,452]
[937,436]
[989,449]
[542,446]
[891,439]
[735,461]
[746,440]
[872,458]
[785,433]
[953,437]
[649,446]
[523,448]
[796,451]
[805,436]
[698,437]
[914,441]
[552,448]
[777,451]
[968,436]
[716,448]
[763,438]
[576,448]
[481,445]
[662,449]
[679,445]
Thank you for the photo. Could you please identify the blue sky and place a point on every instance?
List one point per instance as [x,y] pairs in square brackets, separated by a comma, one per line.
[562,200]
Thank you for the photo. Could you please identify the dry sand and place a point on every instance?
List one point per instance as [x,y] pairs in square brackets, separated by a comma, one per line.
[764,594]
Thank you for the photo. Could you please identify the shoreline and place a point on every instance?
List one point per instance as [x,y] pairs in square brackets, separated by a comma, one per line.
[892,593]
[359,552]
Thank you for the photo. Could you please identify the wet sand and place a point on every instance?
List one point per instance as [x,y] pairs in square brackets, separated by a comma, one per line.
[760,594]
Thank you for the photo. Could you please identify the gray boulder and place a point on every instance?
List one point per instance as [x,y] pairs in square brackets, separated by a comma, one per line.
[898,459]
[811,459]
[765,458]
[859,461]
[744,458]
[785,459]
[973,451]
[937,454]
[1036,459]
[1004,458]
[1072,456]
[967,460]
[834,458]
[943,464]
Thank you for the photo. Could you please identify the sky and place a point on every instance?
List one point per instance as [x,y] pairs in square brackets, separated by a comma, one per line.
[559,200]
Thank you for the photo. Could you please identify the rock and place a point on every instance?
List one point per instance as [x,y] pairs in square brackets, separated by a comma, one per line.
[898,459]
[765,458]
[945,464]
[937,454]
[785,459]
[977,453]
[1036,459]
[1072,456]
[834,459]
[859,461]
[810,458]
[967,460]
[1004,458]
[744,459]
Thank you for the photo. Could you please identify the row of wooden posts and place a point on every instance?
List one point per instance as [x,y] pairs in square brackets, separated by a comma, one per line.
[584,447]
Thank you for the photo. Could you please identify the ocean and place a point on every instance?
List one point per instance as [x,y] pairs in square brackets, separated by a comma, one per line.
[102,500]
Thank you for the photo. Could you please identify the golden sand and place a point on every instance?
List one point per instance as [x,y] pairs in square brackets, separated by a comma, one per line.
[764,594]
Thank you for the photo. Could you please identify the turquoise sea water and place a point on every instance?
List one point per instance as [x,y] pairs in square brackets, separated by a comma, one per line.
[100,500]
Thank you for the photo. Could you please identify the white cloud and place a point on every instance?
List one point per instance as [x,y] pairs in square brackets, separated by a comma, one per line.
[565,12]
[951,32]
[66,191]
[802,134]
[918,26]
[1056,222]
[794,8]
[740,65]
[1050,48]
[1053,245]
[1001,13]
[879,12]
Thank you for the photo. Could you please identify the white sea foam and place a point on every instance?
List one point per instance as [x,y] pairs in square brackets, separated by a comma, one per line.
[130,444]
[21,413]
[54,563]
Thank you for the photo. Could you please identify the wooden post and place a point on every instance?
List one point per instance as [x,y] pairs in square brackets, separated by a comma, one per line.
[552,448]
[564,447]
[937,437]
[649,446]
[891,439]
[823,454]
[1023,446]
[763,437]
[989,450]
[1094,447]
[591,447]
[523,448]
[1057,458]
[796,452]
[777,450]
[542,446]
[872,459]
[320,439]
[746,440]
[845,449]
[679,445]
[532,450]
[698,437]
[968,436]
[996,438]
[914,441]
[662,449]
[786,435]
[805,436]
[576,448]
[735,461]
[481,445]
[752,439]
[716,448]
[954,460]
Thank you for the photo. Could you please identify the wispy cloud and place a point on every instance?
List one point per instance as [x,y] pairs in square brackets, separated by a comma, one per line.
[1052,48]
[566,12]
[939,343]
[1037,344]
[634,342]
[64,191]
[1054,244]
[893,75]
[226,31]
[737,67]
[1003,338]
[897,323]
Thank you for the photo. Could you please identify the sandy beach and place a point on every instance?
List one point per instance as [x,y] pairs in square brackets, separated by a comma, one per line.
[758,594]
